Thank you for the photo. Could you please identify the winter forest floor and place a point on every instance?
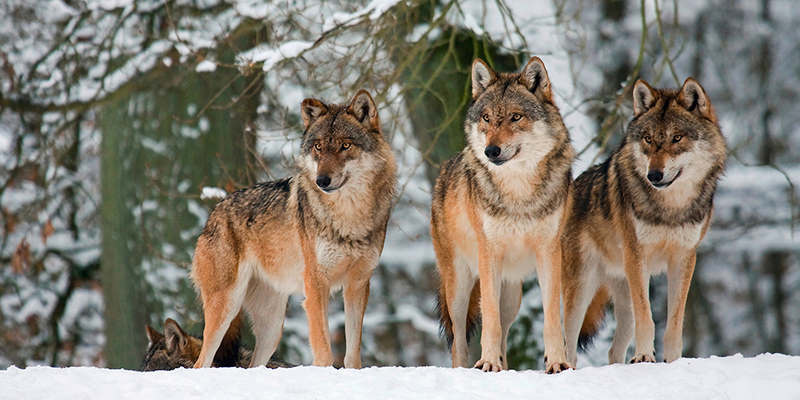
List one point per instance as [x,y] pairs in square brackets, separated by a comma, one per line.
[768,376]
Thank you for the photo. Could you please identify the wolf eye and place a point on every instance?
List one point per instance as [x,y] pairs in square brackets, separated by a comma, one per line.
[516,117]
[677,138]
[648,139]
[317,146]
[345,146]
[486,117]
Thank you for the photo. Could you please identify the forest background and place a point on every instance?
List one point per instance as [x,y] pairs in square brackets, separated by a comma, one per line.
[115,114]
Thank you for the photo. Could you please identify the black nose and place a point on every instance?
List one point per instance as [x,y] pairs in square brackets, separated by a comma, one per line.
[323,181]
[492,152]
[655,176]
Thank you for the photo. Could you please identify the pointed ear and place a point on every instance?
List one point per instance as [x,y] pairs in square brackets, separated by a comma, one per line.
[644,97]
[153,335]
[176,338]
[311,110]
[535,78]
[363,108]
[694,99]
[482,77]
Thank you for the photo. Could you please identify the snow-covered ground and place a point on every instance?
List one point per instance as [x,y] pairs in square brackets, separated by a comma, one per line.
[768,376]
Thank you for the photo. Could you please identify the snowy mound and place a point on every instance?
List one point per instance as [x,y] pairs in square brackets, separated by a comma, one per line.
[769,376]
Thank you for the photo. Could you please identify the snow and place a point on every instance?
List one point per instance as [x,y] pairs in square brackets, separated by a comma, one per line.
[213,193]
[271,56]
[771,376]
[206,66]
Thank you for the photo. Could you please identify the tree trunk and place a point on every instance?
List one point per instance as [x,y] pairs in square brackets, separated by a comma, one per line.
[158,152]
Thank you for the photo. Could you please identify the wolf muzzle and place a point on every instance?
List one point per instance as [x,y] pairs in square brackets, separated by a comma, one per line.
[325,183]
[495,155]
[656,178]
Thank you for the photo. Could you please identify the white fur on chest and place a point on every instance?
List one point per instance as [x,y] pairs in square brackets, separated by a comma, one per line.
[516,242]
[685,236]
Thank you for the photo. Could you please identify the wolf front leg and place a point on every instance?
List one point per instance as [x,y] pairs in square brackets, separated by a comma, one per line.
[317,290]
[679,275]
[548,268]
[356,294]
[491,280]
[638,283]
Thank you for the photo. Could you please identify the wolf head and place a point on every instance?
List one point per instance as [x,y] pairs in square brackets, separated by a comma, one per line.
[674,135]
[341,143]
[174,349]
[512,117]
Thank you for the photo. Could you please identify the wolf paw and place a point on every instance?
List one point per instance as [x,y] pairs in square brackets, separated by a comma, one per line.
[557,367]
[639,358]
[489,366]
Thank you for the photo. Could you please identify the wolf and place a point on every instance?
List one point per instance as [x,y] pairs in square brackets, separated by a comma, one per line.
[312,233]
[497,214]
[175,349]
[641,212]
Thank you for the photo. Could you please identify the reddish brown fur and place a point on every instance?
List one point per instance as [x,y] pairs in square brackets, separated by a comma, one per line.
[303,234]
[624,223]
[490,221]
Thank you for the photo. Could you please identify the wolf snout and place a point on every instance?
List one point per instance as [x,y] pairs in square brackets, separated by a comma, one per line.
[655,176]
[324,182]
[493,153]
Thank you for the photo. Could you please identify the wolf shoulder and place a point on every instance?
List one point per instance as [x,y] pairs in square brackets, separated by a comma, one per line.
[263,202]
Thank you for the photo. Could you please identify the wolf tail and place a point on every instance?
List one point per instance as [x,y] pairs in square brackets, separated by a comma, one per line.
[594,318]
[228,353]
[445,320]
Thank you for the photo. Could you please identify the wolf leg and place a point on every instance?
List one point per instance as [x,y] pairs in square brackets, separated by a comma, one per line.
[510,298]
[623,314]
[638,284]
[491,280]
[548,268]
[317,290]
[219,308]
[458,289]
[577,298]
[579,283]
[356,294]
[267,309]
[679,275]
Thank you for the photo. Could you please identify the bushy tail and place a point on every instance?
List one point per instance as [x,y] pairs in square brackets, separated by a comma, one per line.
[446,322]
[593,321]
[228,353]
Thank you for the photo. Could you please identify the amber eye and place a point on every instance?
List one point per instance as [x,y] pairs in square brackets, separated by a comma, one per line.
[648,139]
[677,138]
[318,146]
[516,117]
[486,117]
[345,146]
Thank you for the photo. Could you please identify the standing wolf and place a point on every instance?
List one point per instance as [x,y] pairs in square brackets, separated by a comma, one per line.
[497,214]
[642,211]
[318,231]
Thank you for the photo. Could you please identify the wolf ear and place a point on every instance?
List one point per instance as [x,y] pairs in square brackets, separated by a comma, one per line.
[153,335]
[363,108]
[482,77]
[535,78]
[176,338]
[694,99]
[644,97]
[311,110]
